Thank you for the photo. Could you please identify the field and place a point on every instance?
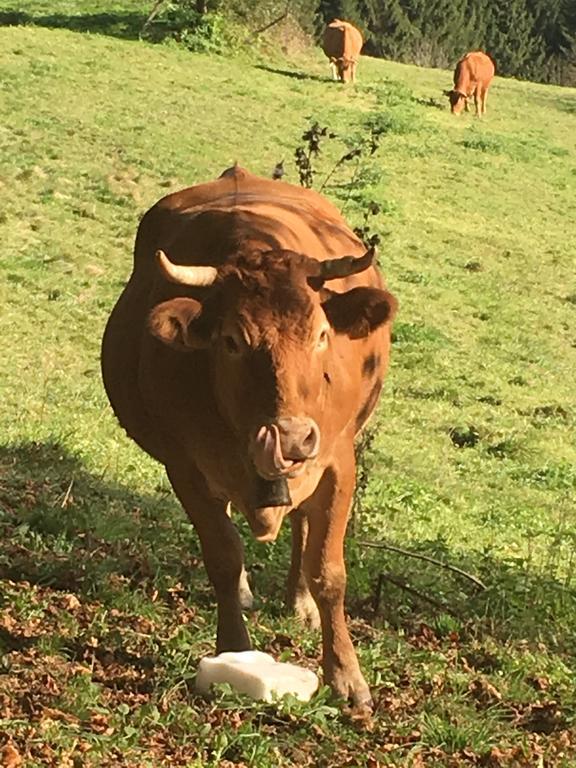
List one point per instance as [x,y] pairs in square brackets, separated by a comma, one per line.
[471,460]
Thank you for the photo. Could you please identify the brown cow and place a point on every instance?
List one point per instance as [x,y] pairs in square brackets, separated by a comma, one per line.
[246,362]
[342,43]
[472,77]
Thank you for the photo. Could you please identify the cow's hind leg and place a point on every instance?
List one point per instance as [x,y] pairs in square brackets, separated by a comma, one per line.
[483,97]
[299,596]
[244,591]
[222,552]
[478,101]
[328,510]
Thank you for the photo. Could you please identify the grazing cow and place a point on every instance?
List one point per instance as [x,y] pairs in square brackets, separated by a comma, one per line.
[245,353]
[472,77]
[342,43]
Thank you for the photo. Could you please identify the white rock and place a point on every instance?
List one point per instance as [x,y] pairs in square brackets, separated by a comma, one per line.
[257,674]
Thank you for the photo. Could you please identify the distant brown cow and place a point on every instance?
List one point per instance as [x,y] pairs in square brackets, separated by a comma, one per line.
[246,353]
[342,44]
[472,77]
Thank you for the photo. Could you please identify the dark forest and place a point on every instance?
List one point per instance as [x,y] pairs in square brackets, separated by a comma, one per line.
[528,39]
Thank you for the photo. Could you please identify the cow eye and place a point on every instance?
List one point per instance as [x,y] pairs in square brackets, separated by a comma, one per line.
[323,339]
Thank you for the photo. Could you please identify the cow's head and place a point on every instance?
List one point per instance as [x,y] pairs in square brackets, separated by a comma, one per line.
[458,101]
[270,324]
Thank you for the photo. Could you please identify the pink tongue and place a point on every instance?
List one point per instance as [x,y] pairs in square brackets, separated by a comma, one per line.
[272,458]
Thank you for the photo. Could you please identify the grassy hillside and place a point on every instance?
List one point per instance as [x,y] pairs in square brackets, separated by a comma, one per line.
[105,607]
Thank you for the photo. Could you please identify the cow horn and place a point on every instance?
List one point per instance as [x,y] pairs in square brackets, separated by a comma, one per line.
[185,275]
[345,265]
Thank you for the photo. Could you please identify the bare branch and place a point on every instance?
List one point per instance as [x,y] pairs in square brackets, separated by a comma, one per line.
[153,13]
[426,558]
[67,494]
[272,23]
[416,592]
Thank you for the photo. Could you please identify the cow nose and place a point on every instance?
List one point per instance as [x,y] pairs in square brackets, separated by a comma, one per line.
[299,438]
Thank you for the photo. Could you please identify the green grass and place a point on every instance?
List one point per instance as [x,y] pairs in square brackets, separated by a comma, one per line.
[105,605]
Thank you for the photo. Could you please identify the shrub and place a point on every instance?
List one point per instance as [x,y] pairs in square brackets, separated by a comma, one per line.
[202,32]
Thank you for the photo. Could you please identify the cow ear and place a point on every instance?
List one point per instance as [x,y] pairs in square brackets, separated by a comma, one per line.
[359,311]
[447,93]
[179,323]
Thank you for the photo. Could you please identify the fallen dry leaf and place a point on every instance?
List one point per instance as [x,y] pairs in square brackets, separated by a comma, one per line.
[539,682]
[99,724]
[484,692]
[10,756]
[71,602]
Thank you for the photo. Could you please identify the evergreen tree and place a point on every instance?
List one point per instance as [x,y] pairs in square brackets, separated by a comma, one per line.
[347,10]
[426,32]
[512,40]
[390,32]
[444,29]
[555,23]
[534,39]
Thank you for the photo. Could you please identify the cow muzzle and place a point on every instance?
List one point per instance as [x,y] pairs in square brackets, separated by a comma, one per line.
[283,447]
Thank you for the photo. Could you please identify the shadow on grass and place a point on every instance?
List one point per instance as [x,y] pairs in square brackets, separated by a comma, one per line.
[293,74]
[521,601]
[65,528]
[123,25]
[431,102]
[567,105]
[562,101]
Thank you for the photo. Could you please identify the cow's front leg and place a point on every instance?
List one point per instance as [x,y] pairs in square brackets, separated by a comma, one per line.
[328,510]
[222,552]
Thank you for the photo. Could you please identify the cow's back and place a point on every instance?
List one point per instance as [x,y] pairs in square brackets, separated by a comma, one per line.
[239,207]
[342,41]
[476,67]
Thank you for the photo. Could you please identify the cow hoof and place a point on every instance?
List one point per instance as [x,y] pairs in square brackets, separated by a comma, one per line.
[306,610]
[246,599]
[245,593]
[233,644]
[353,689]
[362,702]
